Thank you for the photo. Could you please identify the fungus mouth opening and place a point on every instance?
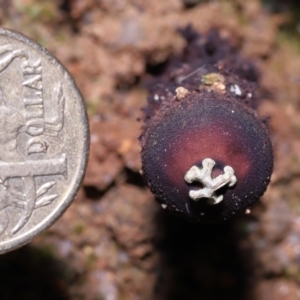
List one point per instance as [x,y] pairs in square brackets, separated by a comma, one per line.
[217,170]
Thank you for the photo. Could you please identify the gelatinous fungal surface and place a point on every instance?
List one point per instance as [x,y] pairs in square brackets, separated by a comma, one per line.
[205,154]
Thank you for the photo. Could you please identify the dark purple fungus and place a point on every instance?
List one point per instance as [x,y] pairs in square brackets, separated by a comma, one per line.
[205,154]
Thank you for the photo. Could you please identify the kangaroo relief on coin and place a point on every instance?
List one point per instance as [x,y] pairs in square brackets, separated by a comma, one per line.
[44,139]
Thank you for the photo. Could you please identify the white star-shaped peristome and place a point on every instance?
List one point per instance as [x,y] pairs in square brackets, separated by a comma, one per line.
[209,185]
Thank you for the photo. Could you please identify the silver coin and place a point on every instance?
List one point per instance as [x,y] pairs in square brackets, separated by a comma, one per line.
[44,139]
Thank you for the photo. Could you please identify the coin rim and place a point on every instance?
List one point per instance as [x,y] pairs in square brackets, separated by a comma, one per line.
[26,238]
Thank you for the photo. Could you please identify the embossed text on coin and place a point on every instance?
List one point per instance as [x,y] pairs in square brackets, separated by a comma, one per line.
[43,139]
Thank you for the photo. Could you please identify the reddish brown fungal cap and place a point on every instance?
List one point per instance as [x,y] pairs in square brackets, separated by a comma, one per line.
[205,153]
[206,125]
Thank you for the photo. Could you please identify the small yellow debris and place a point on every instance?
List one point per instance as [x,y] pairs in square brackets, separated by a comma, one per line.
[219,87]
[212,78]
[214,81]
[181,93]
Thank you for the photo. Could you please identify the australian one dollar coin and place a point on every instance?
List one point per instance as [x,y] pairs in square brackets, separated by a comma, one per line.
[44,139]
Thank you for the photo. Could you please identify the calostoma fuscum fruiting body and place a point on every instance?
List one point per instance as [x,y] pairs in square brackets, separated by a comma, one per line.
[206,155]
